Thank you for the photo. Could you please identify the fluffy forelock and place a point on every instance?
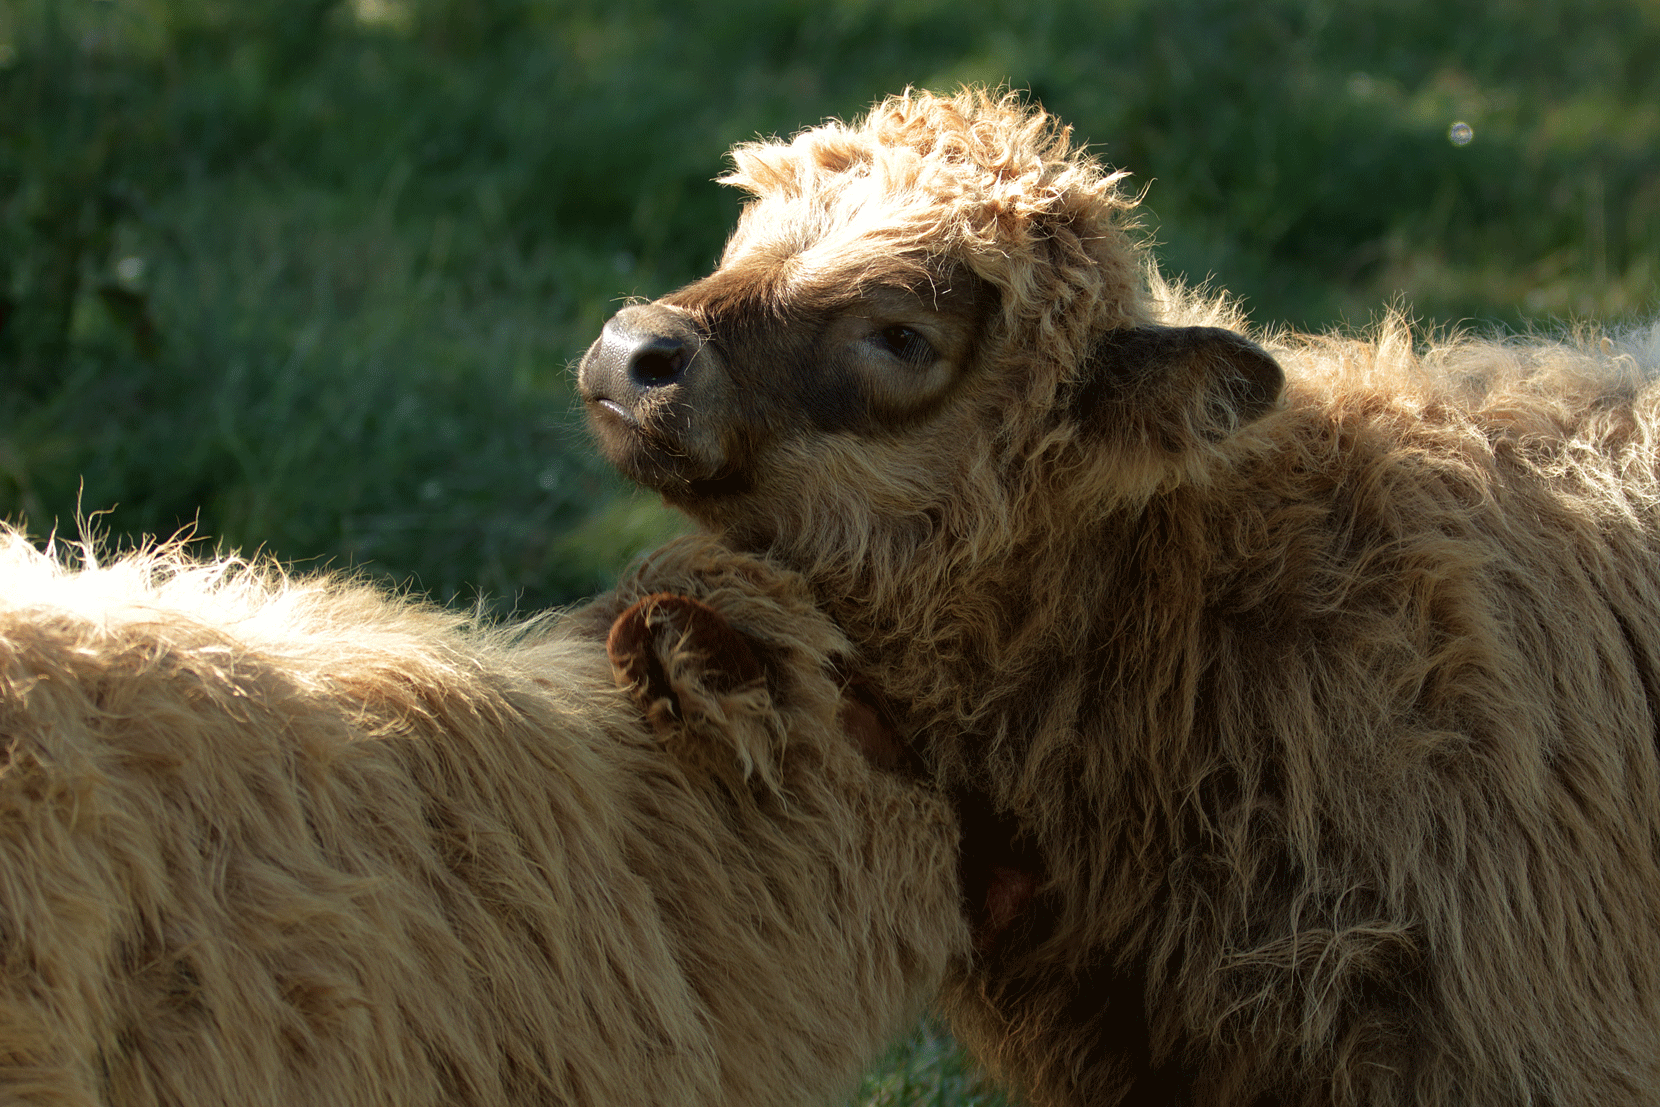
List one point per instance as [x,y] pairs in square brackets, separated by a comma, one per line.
[984,180]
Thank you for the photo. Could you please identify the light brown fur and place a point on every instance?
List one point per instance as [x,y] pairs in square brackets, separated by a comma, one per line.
[1326,717]
[293,841]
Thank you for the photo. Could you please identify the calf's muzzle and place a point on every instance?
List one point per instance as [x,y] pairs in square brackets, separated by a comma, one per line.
[641,349]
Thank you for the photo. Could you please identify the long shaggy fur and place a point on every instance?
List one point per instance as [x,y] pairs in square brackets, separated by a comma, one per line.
[279,841]
[1328,724]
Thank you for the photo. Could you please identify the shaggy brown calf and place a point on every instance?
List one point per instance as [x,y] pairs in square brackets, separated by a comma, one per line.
[1320,705]
[269,841]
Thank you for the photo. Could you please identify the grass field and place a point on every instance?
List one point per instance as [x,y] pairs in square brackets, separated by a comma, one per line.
[308,275]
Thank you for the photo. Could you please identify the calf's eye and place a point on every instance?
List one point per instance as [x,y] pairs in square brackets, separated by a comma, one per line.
[906,345]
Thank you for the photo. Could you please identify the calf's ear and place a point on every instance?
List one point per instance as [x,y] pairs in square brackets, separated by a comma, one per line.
[1181,386]
[698,682]
[676,656]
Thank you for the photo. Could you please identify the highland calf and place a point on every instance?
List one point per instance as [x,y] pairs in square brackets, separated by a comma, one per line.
[282,841]
[1300,694]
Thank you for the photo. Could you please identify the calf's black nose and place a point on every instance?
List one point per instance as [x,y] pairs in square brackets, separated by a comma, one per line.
[642,348]
[655,359]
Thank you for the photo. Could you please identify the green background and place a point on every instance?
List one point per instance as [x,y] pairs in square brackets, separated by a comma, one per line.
[311,275]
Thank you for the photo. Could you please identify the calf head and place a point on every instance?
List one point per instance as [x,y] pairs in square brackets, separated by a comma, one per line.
[909,315]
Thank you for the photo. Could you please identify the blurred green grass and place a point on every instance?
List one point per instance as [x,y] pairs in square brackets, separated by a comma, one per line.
[926,1069]
[309,275]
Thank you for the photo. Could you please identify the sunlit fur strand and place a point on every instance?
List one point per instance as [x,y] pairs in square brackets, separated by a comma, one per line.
[274,839]
[1335,730]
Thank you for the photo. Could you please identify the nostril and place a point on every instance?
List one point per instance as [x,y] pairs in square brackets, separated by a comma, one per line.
[657,361]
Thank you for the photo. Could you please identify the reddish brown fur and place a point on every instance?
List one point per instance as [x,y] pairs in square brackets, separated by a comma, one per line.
[1326,717]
